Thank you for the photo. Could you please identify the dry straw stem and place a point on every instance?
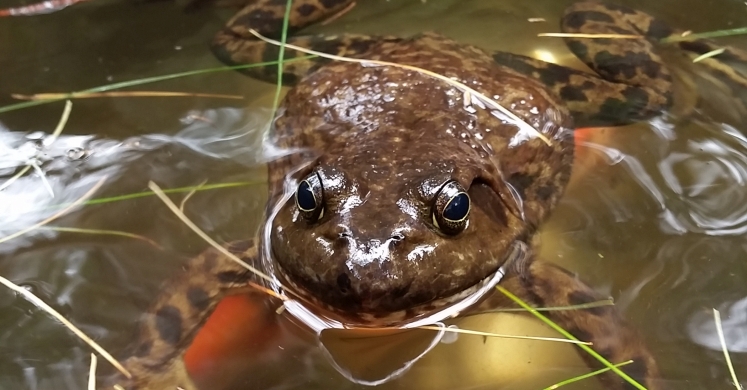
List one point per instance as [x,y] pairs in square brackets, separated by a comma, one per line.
[720,331]
[49,310]
[92,373]
[490,102]
[89,95]
[56,133]
[504,336]
[157,190]
[710,54]
[189,195]
[591,36]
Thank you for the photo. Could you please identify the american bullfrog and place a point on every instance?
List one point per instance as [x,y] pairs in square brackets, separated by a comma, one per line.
[402,195]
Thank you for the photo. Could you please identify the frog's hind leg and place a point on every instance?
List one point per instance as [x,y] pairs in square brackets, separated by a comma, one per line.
[631,82]
[235,45]
[176,315]
[545,285]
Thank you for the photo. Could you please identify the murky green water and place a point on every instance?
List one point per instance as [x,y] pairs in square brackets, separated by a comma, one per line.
[657,219]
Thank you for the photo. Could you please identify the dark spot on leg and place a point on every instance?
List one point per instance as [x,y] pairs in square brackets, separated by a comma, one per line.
[695,46]
[614,67]
[198,298]
[227,277]
[360,46]
[658,30]
[554,74]
[305,9]
[143,349]
[169,324]
[578,19]
[264,21]
[520,182]
[570,93]
[578,48]
[514,62]
[545,192]
[290,78]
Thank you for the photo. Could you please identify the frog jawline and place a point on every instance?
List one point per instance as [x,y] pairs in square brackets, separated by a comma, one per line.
[318,315]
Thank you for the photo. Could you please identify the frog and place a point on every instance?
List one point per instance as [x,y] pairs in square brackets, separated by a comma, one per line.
[402,195]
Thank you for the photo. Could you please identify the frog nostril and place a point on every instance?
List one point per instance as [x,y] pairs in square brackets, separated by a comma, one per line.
[398,237]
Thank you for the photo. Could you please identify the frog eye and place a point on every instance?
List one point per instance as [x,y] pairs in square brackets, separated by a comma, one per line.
[309,199]
[451,208]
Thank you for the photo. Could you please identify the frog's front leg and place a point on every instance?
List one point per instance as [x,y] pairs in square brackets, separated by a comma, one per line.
[180,310]
[235,45]
[542,284]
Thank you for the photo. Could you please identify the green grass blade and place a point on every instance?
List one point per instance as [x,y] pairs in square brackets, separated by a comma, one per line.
[281,57]
[147,80]
[706,35]
[565,333]
[582,377]
[101,232]
[168,191]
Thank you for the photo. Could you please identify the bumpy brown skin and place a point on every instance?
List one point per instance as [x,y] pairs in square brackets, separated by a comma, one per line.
[383,140]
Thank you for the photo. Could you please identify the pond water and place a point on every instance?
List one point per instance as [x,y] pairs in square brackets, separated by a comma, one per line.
[655,216]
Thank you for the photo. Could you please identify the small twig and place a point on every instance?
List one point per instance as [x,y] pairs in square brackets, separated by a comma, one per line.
[90,95]
[505,336]
[57,214]
[49,310]
[591,36]
[720,331]
[189,195]
[157,190]
[92,373]
[589,375]
[463,87]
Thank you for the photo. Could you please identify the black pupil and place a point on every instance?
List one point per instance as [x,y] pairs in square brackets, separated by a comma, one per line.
[305,197]
[457,208]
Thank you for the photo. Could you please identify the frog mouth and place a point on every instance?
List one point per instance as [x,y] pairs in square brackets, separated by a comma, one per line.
[318,315]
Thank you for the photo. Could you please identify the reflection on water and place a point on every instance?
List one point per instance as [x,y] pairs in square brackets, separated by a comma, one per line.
[655,217]
[702,328]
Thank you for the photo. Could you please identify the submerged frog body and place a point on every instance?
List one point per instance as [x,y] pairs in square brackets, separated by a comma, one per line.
[405,194]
